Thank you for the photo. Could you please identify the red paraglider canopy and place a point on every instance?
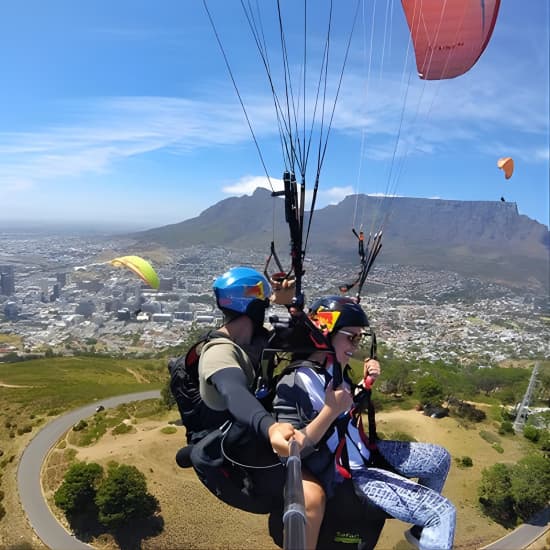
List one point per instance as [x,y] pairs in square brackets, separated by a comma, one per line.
[449,36]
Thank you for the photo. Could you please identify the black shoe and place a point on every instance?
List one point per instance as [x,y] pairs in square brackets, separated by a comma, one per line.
[183,457]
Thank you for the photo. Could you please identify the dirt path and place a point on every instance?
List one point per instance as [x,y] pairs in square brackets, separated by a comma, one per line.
[139,378]
[2,385]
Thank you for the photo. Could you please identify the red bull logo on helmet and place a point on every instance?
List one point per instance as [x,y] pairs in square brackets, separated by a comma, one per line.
[326,319]
[255,291]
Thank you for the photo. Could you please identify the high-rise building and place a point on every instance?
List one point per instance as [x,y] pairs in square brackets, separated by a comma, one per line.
[166,283]
[11,311]
[7,280]
[61,279]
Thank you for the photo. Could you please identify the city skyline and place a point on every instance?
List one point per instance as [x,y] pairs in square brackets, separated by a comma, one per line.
[125,114]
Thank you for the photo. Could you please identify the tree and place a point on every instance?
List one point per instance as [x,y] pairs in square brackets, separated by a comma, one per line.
[123,497]
[494,494]
[396,376]
[429,390]
[531,485]
[487,380]
[78,490]
[166,395]
[507,492]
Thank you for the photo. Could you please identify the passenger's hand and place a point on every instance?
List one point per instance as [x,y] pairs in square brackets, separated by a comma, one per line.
[301,439]
[338,400]
[280,434]
[371,367]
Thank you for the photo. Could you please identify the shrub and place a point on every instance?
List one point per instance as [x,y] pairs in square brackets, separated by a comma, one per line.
[531,433]
[490,437]
[24,430]
[169,430]
[401,436]
[506,427]
[81,425]
[544,441]
[467,462]
[122,428]
[467,411]
[497,448]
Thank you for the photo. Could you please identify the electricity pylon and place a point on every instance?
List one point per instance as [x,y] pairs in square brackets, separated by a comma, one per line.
[523,411]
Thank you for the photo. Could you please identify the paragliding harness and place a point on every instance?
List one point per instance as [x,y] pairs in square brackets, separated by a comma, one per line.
[211,433]
[348,521]
[362,402]
[217,446]
[198,419]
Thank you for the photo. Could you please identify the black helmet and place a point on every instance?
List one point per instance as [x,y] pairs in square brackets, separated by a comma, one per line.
[332,313]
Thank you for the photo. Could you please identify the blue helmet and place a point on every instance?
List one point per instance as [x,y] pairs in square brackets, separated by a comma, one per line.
[241,290]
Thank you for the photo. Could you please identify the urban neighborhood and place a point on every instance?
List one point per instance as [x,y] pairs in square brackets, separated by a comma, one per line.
[60,293]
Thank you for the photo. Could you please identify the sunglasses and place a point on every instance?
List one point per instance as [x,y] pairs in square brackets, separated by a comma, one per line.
[354,338]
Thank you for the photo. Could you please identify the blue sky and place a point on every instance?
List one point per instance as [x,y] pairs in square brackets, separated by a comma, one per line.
[123,113]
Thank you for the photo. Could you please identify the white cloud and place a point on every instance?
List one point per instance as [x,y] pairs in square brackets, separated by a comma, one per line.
[542,154]
[248,184]
[383,195]
[432,117]
[334,195]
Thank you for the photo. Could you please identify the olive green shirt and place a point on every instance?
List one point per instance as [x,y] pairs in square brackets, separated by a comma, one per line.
[218,354]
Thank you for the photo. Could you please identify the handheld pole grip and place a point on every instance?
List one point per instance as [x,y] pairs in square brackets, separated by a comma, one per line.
[294,515]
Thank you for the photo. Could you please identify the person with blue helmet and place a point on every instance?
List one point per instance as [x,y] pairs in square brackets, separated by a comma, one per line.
[227,372]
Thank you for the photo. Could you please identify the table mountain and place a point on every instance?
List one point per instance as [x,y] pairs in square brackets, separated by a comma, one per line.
[485,239]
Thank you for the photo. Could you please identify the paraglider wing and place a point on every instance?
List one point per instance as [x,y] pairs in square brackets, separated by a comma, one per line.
[507,165]
[449,37]
[140,267]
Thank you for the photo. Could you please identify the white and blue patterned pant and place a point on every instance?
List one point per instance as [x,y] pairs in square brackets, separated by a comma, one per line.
[417,503]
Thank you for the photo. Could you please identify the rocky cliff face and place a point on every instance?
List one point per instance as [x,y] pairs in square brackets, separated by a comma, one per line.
[476,238]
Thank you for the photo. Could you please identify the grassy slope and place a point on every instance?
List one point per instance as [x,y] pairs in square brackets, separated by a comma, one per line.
[33,392]
[50,386]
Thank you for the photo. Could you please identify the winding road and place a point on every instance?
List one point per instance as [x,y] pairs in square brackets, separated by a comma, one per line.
[54,535]
[40,517]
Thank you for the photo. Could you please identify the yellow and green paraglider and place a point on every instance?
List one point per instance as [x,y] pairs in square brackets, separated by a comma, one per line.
[142,268]
[507,165]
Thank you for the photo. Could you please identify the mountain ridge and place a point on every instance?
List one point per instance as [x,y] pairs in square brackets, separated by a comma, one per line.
[487,239]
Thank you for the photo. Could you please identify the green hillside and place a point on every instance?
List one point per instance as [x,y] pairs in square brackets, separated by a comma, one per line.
[52,385]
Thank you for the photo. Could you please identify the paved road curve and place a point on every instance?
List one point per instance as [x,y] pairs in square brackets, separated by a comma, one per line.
[523,535]
[55,536]
[40,517]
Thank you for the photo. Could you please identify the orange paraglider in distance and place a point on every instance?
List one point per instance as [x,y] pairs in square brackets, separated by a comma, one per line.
[449,37]
[506,164]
